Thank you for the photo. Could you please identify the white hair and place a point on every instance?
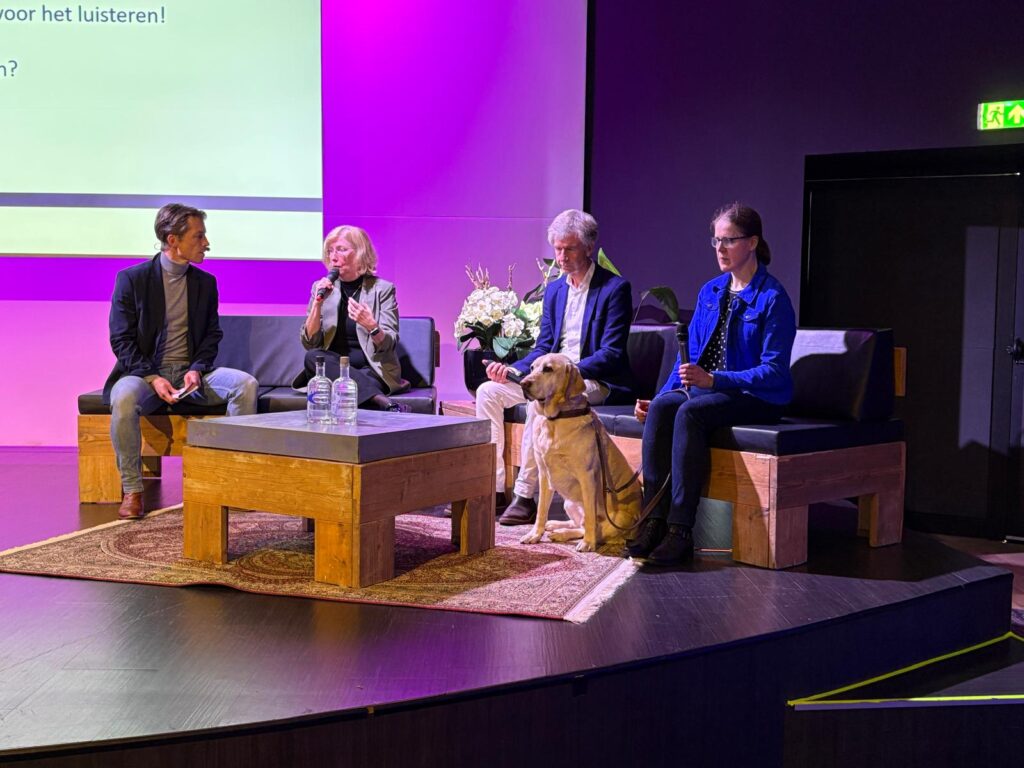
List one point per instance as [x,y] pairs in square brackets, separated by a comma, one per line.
[574,222]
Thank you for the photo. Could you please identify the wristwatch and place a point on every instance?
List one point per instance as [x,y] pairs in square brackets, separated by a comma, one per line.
[375,331]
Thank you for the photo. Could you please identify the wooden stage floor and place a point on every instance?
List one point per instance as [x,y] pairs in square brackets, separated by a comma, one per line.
[694,663]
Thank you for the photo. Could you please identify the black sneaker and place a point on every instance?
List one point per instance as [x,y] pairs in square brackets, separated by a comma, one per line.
[675,549]
[648,536]
[396,407]
[520,512]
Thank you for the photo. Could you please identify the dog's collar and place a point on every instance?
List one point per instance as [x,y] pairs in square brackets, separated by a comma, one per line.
[585,410]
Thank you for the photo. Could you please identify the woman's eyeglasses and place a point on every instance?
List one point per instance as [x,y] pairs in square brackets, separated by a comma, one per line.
[727,241]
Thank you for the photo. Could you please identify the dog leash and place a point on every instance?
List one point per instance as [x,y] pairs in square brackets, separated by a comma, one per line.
[614,492]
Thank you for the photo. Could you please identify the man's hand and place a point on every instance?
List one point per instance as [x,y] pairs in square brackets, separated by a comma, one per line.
[497,372]
[193,379]
[164,389]
[695,376]
[640,410]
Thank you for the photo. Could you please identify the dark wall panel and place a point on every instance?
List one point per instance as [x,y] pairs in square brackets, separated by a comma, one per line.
[697,104]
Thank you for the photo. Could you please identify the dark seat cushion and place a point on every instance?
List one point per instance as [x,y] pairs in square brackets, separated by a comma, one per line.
[804,435]
[92,403]
[652,353]
[843,393]
[842,374]
[277,399]
[268,347]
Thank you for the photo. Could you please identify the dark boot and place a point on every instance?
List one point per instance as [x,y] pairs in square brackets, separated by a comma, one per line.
[131,506]
[648,536]
[675,549]
[520,512]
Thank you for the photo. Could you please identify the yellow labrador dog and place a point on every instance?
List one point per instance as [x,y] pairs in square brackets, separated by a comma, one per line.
[568,440]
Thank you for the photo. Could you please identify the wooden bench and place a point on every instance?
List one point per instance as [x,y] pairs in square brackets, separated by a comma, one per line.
[838,441]
[266,346]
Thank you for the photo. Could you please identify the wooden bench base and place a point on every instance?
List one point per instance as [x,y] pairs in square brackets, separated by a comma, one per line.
[98,479]
[770,494]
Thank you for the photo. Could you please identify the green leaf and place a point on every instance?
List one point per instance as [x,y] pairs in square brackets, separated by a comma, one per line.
[605,262]
[502,345]
[667,298]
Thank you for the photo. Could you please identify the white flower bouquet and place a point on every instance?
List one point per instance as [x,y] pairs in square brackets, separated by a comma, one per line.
[496,318]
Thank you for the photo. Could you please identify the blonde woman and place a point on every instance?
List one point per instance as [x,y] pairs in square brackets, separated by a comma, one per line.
[353,313]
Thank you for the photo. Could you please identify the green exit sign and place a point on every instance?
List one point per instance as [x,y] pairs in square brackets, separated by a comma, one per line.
[995,115]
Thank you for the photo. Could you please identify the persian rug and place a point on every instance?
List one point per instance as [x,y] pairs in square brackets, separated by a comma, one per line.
[271,555]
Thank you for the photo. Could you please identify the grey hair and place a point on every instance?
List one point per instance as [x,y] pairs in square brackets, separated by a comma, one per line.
[574,222]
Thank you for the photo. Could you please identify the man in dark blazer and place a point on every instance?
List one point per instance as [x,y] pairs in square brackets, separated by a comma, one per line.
[586,317]
[164,331]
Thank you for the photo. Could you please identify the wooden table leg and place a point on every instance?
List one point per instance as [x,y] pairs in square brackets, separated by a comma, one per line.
[354,558]
[473,524]
[376,551]
[206,532]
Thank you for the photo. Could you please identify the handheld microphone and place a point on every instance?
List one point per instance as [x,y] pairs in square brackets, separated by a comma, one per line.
[332,276]
[512,374]
[683,340]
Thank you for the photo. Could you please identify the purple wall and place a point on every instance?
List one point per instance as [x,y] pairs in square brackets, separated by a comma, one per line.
[696,105]
[453,132]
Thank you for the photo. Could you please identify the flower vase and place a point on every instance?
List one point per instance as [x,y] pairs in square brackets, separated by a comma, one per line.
[474,367]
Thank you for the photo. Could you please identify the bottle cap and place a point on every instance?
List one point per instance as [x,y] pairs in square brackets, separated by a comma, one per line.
[343,361]
[319,358]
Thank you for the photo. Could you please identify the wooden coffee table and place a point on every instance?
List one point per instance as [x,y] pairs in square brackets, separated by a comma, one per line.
[350,480]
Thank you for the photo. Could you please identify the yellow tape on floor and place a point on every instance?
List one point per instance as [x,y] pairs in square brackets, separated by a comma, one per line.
[816,699]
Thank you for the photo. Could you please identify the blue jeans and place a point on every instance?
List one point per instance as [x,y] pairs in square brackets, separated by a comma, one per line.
[132,397]
[675,444]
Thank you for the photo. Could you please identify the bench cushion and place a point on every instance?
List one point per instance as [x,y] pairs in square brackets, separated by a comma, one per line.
[842,374]
[278,399]
[791,436]
[268,347]
[803,435]
[843,393]
[92,403]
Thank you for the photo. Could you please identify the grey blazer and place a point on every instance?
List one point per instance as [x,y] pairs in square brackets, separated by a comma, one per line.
[379,296]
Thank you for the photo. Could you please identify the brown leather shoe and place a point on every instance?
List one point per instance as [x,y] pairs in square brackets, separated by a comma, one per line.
[131,507]
[520,512]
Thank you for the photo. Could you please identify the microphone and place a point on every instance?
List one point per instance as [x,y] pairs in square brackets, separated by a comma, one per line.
[332,276]
[512,374]
[683,340]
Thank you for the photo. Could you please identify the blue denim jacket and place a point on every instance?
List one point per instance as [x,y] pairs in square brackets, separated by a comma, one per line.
[759,337]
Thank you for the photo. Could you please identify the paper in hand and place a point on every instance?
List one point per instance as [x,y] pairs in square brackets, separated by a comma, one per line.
[185,391]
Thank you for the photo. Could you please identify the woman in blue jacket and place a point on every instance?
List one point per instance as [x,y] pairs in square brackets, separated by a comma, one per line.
[740,341]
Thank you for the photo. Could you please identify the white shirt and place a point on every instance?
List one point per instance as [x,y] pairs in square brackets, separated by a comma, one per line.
[572,321]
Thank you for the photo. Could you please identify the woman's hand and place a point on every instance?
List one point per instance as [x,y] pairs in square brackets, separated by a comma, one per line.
[694,376]
[361,314]
[323,284]
[640,410]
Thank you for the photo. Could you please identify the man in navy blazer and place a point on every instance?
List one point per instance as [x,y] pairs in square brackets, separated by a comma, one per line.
[164,331]
[586,317]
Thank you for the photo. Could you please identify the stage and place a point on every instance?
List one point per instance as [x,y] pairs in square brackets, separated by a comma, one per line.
[686,666]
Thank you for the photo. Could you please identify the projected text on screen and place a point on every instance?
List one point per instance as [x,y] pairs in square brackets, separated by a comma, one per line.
[107,111]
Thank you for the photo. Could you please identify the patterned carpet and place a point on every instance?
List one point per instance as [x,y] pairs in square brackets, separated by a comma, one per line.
[269,554]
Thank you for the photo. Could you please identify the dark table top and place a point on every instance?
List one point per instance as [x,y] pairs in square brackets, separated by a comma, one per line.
[376,435]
